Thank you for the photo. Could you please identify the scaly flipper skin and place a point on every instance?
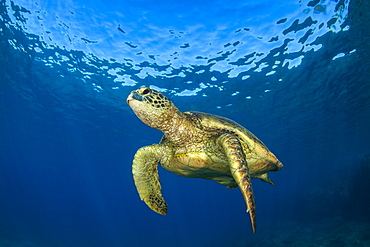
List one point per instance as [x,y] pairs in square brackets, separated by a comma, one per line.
[145,172]
[239,170]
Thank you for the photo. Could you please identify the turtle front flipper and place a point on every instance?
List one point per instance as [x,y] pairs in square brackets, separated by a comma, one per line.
[238,165]
[145,172]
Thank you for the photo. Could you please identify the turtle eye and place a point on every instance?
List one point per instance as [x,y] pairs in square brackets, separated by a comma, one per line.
[146,91]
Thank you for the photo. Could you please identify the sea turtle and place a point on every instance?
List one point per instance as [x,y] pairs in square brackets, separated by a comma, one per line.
[196,145]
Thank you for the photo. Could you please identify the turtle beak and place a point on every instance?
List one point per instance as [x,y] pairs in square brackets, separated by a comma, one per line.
[134,95]
[130,97]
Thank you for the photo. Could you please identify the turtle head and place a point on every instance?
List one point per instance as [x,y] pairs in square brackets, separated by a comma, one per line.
[151,107]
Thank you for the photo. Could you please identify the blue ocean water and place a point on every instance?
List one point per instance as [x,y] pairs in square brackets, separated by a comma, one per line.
[295,73]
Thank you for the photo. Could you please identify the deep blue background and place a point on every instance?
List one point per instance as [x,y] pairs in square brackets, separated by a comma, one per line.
[67,137]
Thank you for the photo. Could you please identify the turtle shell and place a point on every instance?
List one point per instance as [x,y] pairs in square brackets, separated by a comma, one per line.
[260,159]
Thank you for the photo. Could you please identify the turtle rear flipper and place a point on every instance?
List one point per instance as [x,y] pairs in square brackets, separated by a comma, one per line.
[145,172]
[239,170]
[265,178]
